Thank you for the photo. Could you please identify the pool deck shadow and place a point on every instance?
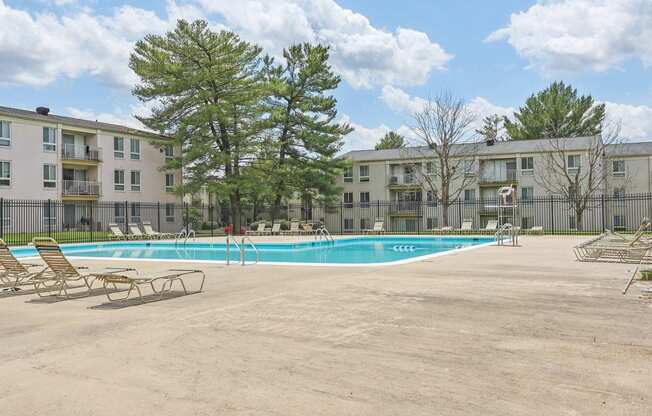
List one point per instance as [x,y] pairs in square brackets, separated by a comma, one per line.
[494,331]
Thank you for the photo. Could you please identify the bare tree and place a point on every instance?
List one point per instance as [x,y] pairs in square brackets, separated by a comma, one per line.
[445,136]
[578,175]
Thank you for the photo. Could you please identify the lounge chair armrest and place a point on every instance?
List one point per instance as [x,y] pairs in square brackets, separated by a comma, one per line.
[121,269]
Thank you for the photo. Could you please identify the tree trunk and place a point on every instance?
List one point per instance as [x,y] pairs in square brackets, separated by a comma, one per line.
[445,204]
[579,214]
[276,208]
[235,212]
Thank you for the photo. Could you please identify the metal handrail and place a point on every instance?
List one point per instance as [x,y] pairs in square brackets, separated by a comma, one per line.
[323,233]
[243,249]
[228,248]
[185,234]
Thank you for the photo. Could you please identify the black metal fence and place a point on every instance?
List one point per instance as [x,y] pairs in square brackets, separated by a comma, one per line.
[83,221]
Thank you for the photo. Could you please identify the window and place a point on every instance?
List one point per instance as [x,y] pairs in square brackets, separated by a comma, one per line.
[5,173]
[348,199]
[573,162]
[118,148]
[429,167]
[364,173]
[119,212]
[527,222]
[5,133]
[431,199]
[169,182]
[49,214]
[49,139]
[619,222]
[527,194]
[365,224]
[348,224]
[527,165]
[432,223]
[469,167]
[119,180]
[469,196]
[348,174]
[364,199]
[134,213]
[572,223]
[169,212]
[619,196]
[618,168]
[49,176]
[134,149]
[169,151]
[135,180]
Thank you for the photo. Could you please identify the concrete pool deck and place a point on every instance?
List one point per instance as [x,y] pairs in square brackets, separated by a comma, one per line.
[493,331]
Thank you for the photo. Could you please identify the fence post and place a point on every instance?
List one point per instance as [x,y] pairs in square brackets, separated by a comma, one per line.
[186,220]
[158,216]
[604,218]
[2,217]
[49,218]
[90,210]
[210,216]
[342,217]
[459,209]
[126,217]
[552,214]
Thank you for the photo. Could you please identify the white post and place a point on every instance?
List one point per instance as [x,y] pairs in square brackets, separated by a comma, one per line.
[242,251]
[228,250]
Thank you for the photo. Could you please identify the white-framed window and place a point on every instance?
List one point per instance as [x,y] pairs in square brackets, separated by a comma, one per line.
[169,151]
[49,139]
[527,165]
[527,193]
[134,213]
[574,162]
[469,196]
[618,167]
[49,176]
[119,212]
[134,149]
[619,196]
[5,133]
[429,168]
[364,200]
[364,173]
[348,174]
[169,212]
[348,199]
[49,214]
[430,199]
[119,180]
[169,182]
[469,167]
[118,147]
[135,180]
[348,224]
[5,173]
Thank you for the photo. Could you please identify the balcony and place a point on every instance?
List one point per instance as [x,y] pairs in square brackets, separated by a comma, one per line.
[81,189]
[406,208]
[403,181]
[508,176]
[70,152]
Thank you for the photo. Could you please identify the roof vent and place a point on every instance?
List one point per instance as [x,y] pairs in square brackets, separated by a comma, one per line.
[490,142]
[44,111]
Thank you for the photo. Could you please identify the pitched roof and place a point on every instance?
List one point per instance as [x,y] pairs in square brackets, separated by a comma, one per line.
[72,121]
[479,149]
[630,149]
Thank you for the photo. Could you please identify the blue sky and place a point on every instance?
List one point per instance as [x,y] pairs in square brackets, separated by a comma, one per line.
[72,54]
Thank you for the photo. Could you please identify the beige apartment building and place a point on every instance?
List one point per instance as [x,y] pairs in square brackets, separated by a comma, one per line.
[389,184]
[81,162]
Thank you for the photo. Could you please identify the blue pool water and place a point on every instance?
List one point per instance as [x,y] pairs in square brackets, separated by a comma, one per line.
[359,250]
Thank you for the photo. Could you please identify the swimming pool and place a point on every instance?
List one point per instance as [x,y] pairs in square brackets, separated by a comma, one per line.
[345,251]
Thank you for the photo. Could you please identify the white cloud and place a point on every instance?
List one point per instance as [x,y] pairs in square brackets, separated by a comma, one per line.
[364,137]
[575,35]
[119,117]
[636,120]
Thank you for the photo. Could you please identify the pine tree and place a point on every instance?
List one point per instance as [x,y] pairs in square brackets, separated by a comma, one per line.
[556,112]
[391,140]
[207,91]
[305,136]
[492,129]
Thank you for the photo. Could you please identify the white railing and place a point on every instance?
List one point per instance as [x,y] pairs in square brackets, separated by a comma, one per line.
[81,188]
[405,179]
[509,175]
[323,234]
[76,152]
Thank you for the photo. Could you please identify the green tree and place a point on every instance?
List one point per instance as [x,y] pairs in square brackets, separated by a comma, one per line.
[492,128]
[556,112]
[207,91]
[391,140]
[305,136]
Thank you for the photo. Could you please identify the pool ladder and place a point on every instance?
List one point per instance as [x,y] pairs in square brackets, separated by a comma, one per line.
[323,234]
[185,234]
[241,249]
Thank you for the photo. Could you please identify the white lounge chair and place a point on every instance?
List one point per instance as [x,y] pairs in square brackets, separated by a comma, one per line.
[116,232]
[147,227]
[260,230]
[467,225]
[276,229]
[135,231]
[294,229]
[379,227]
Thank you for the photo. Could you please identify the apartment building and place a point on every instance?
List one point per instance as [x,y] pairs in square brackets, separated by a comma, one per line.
[400,176]
[50,157]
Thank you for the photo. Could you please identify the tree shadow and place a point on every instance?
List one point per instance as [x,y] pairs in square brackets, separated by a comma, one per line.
[147,299]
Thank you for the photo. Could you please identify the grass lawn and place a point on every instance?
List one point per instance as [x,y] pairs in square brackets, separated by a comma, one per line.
[60,236]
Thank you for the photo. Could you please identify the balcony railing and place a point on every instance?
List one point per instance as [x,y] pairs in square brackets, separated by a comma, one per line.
[406,179]
[507,176]
[75,152]
[406,207]
[81,188]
